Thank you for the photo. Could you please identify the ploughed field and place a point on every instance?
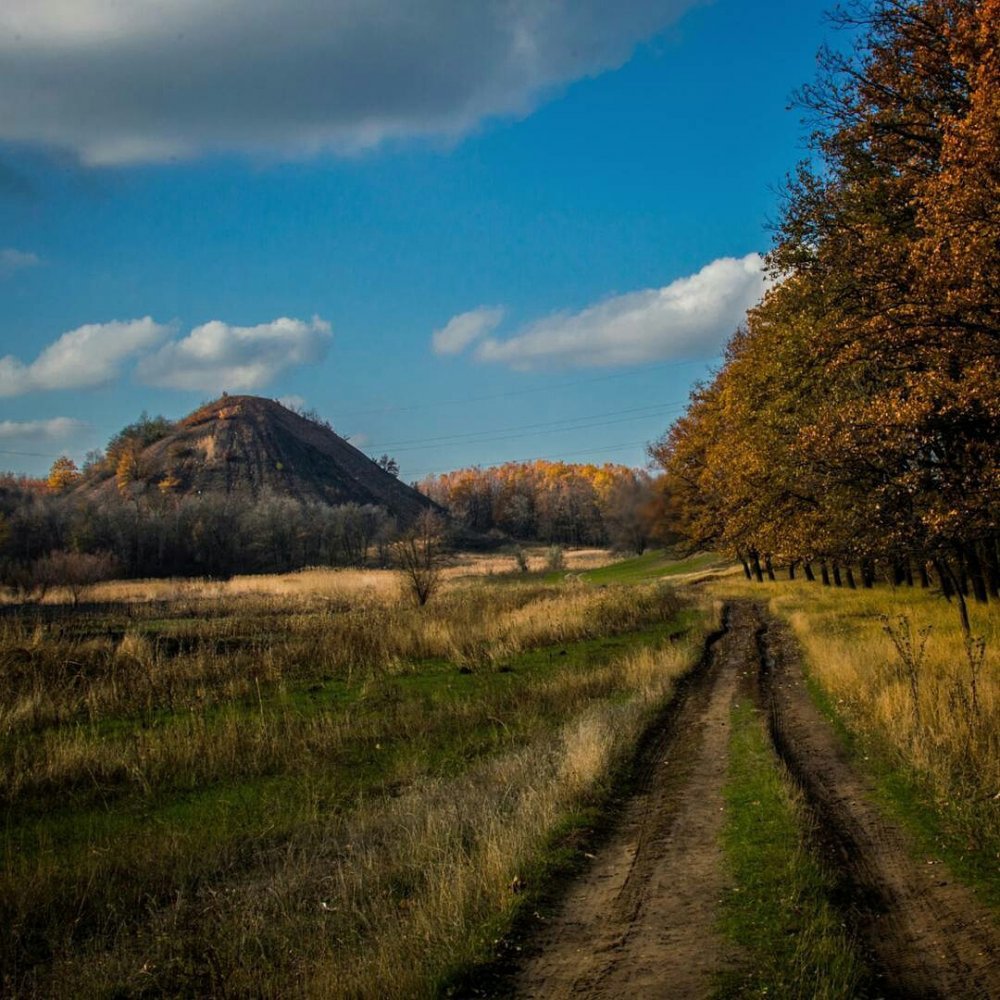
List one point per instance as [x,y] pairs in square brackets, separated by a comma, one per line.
[637,779]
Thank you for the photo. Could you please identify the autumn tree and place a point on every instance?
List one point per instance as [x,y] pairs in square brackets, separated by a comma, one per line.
[857,415]
[63,475]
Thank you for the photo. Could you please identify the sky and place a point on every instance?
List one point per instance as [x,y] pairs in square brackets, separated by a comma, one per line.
[463,232]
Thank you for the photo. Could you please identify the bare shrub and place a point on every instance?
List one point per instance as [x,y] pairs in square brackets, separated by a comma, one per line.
[555,559]
[418,554]
[76,571]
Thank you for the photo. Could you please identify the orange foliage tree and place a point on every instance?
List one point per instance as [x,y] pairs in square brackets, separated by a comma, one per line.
[548,501]
[856,419]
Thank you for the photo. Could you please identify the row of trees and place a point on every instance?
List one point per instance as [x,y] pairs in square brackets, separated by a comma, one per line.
[857,415]
[554,502]
[213,535]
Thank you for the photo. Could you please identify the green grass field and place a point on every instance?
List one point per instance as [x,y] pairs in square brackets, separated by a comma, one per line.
[264,792]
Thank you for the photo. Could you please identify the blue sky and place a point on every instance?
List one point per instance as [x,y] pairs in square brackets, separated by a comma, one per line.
[487,240]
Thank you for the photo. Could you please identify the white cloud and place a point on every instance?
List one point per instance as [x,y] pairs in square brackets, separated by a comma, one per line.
[293,402]
[146,80]
[691,317]
[12,260]
[461,330]
[54,429]
[88,356]
[217,356]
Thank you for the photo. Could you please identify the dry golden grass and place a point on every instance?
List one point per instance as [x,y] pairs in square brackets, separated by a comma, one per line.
[320,583]
[384,899]
[308,584]
[314,788]
[938,714]
[232,648]
[490,564]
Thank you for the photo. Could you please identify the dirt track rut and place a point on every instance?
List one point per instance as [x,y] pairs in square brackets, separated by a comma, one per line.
[642,920]
[928,935]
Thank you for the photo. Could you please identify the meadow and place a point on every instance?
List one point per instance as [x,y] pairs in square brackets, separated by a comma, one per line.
[305,785]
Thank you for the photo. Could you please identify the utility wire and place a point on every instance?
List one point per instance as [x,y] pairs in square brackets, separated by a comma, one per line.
[651,410]
[515,437]
[521,392]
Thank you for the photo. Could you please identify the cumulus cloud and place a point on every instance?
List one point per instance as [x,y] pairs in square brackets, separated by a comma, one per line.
[12,260]
[293,402]
[144,80]
[466,328]
[54,429]
[216,355]
[691,317]
[83,358]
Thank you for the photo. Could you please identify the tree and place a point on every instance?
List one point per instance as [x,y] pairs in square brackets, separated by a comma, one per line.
[63,475]
[628,513]
[388,464]
[856,418]
[75,570]
[418,555]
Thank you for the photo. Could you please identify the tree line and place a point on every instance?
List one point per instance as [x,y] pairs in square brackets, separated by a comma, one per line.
[854,426]
[156,534]
[552,502]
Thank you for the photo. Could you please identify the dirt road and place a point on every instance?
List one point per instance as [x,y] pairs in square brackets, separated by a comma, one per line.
[642,920]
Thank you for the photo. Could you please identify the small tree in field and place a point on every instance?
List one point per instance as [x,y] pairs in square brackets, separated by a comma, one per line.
[417,553]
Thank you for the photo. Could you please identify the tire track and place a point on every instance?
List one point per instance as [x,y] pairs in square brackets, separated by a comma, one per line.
[642,920]
[928,936]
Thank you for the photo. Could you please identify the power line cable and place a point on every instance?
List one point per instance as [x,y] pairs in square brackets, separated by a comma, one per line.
[522,392]
[651,410]
[611,448]
[515,437]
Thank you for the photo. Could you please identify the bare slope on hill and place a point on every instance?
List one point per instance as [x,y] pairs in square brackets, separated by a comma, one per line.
[246,445]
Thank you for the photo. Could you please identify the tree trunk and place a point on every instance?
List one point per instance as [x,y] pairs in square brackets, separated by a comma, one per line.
[908,572]
[745,565]
[945,578]
[959,577]
[867,574]
[791,570]
[837,582]
[992,562]
[755,562]
[850,578]
[925,580]
[810,575]
[769,568]
[824,572]
[976,577]
[898,574]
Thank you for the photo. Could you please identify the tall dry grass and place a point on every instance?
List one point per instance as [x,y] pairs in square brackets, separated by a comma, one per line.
[193,656]
[383,900]
[272,796]
[318,582]
[895,667]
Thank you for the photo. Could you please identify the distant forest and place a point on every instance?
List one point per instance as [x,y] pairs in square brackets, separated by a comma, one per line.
[555,502]
[56,531]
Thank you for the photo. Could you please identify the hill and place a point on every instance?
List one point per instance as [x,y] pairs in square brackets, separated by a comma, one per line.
[248,445]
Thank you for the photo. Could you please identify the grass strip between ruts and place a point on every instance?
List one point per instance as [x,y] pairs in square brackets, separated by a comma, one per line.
[777,906]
